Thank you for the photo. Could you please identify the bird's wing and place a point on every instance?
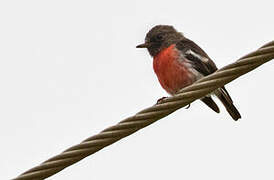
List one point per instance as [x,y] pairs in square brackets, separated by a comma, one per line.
[201,62]
[199,59]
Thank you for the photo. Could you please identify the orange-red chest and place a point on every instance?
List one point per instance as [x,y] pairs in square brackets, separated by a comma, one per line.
[171,70]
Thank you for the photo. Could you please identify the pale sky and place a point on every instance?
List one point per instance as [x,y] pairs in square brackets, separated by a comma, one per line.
[69,69]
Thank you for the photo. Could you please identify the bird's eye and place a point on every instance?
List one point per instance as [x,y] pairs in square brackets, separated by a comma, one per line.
[159,37]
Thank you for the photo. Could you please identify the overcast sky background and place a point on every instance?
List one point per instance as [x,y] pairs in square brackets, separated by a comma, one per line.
[69,69]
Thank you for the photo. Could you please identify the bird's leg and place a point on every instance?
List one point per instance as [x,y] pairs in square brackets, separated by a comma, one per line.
[159,101]
[188,106]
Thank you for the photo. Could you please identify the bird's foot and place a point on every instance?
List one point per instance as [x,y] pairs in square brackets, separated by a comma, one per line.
[188,106]
[159,101]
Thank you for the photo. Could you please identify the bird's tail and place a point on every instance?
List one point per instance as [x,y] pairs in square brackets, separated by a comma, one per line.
[225,98]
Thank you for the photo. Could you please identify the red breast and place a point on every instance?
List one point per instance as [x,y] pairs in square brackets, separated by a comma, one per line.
[171,71]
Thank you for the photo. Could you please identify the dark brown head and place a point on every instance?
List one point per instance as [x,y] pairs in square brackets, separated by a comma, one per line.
[160,37]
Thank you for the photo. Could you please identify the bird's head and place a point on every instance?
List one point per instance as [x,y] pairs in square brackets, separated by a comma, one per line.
[160,37]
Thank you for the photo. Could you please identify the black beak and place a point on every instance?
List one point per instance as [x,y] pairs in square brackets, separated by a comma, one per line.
[145,45]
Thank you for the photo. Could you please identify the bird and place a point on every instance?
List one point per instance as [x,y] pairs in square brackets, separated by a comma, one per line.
[178,62]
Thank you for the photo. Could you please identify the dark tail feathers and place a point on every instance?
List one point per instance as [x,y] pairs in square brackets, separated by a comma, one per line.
[225,98]
[210,103]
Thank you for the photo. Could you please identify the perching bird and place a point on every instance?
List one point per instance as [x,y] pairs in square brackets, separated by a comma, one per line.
[179,62]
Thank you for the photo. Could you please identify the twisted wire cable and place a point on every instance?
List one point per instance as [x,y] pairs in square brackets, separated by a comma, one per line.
[148,116]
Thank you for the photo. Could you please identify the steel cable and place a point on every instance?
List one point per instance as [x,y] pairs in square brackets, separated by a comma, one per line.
[148,116]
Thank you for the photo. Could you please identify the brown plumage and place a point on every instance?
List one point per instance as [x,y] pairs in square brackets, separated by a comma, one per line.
[178,62]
